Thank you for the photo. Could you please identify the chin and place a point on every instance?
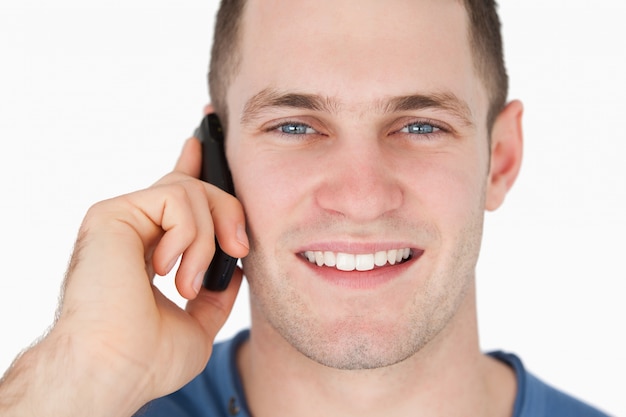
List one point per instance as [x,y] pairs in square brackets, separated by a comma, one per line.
[354,345]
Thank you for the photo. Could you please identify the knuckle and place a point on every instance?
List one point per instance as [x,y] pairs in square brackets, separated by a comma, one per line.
[102,209]
[195,187]
[185,189]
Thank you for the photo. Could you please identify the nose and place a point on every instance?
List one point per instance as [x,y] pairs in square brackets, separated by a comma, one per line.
[359,182]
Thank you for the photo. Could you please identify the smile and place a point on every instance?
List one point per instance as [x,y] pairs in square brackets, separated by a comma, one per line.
[359,262]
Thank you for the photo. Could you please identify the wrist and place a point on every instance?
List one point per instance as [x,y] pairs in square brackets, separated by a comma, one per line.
[63,375]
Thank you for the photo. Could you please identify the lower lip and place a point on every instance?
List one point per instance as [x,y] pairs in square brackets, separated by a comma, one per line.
[362,280]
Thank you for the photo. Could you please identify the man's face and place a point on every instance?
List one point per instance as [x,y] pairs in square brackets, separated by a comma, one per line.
[357,131]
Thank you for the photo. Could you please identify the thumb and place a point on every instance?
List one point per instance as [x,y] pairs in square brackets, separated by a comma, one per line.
[211,308]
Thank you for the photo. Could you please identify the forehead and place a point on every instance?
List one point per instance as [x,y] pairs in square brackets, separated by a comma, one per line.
[354,50]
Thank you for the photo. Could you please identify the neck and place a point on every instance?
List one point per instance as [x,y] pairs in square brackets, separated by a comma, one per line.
[448,377]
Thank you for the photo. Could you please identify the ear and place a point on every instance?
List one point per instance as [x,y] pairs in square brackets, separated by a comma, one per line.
[506,153]
[208,109]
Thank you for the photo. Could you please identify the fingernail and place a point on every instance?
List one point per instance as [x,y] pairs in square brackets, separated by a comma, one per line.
[197,282]
[242,237]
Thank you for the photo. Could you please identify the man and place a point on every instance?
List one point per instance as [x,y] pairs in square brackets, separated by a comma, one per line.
[365,140]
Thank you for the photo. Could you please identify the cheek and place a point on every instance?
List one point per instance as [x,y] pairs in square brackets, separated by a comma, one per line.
[271,189]
[447,188]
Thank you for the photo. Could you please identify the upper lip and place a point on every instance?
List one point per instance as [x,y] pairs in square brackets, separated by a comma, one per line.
[356,248]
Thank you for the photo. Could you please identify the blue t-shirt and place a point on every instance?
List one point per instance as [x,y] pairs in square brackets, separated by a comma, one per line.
[218,391]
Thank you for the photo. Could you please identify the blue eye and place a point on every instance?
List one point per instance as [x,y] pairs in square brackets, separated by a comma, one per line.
[296,129]
[420,128]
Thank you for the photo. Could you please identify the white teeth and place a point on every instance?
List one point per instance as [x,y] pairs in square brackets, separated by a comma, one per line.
[360,262]
[345,262]
[330,259]
[380,258]
[392,256]
[319,258]
[364,262]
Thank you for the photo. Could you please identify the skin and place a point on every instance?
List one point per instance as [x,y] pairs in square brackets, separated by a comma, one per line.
[113,345]
[360,180]
[394,341]
[355,182]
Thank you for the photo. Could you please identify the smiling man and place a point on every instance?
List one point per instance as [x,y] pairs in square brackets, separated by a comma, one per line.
[361,139]
[366,139]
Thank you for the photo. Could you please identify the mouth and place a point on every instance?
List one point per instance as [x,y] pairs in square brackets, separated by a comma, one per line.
[358,262]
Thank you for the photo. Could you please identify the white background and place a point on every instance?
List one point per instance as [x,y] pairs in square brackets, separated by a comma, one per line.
[96,99]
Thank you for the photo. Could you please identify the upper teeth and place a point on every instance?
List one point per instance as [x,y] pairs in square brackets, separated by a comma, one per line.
[360,262]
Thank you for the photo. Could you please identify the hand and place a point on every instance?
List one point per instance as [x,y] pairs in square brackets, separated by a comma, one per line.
[118,342]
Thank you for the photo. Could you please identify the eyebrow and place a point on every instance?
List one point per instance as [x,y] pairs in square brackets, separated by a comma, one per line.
[271,98]
[447,101]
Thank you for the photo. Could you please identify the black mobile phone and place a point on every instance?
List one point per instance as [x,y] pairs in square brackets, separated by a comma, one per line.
[215,171]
